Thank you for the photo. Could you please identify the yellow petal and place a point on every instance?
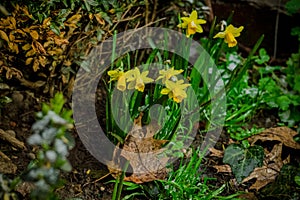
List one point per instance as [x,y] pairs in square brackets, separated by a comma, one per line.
[199,29]
[220,35]
[200,21]
[140,86]
[165,91]
[121,85]
[131,85]
[186,20]
[229,38]
[193,15]
[235,31]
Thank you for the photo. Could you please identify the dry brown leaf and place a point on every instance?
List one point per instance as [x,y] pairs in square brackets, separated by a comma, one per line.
[26,47]
[35,65]
[72,21]
[25,11]
[216,153]
[281,134]
[46,22]
[13,22]
[143,153]
[43,60]
[248,196]
[223,168]
[272,166]
[11,37]
[56,52]
[4,36]
[30,53]
[99,19]
[14,47]
[30,84]
[38,47]
[59,41]
[34,34]
[28,61]
[11,71]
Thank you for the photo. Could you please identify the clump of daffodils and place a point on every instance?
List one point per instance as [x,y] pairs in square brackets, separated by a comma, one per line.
[193,25]
[136,79]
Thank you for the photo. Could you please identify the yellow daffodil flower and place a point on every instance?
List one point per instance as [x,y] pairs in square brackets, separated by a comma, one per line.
[137,79]
[175,90]
[192,24]
[120,76]
[230,34]
[167,74]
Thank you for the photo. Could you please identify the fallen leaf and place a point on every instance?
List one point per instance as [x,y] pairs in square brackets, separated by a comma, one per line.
[216,153]
[272,166]
[281,134]
[248,196]
[223,168]
[143,153]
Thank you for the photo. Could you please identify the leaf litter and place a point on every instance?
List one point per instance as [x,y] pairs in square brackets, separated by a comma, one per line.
[273,161]
[143,152]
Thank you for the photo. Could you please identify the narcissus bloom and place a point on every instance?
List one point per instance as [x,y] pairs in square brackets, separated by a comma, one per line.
[230,34]
[175,90]
[192,24]
[167,74]
[137,79]
[120,76]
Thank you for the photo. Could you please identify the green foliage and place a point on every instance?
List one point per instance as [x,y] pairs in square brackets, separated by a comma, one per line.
[240,133]
[49,132]
[263,57]
[282,93]
[186,182]
[293,6]
[243,160]
[42,9]
[297,180]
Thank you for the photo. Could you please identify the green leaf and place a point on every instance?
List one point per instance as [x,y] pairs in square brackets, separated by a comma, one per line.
[243,161]
[297,180]
[54,28]
[263,57]
[292,6]
[283,102]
